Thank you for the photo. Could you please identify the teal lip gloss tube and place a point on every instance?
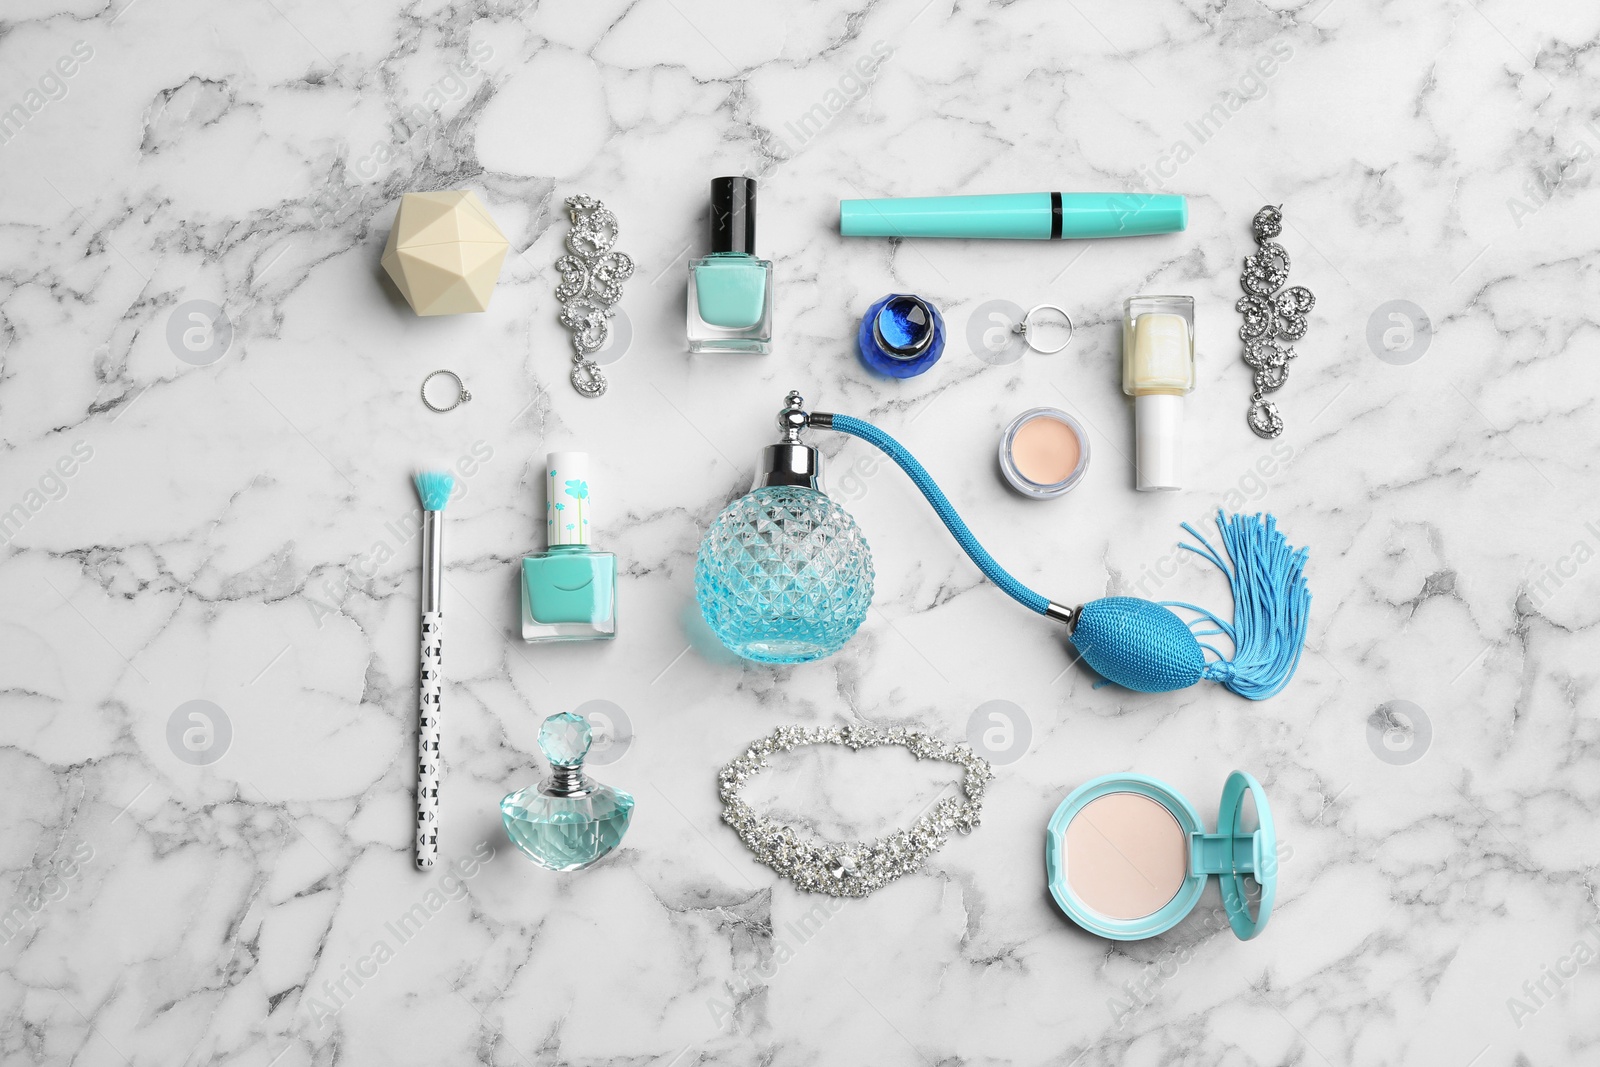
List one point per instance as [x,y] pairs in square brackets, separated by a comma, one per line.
[1016,216]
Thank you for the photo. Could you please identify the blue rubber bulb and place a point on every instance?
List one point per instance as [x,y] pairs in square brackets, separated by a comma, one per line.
[1138,644]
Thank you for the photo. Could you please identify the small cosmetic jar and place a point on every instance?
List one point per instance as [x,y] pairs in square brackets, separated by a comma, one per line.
[901,336]
[1128,857]
[1044,452]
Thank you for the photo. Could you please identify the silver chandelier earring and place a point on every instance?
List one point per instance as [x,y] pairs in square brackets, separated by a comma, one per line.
[591,282]
[1272,316]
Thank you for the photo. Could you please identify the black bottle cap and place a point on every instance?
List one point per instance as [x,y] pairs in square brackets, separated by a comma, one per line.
[733,215]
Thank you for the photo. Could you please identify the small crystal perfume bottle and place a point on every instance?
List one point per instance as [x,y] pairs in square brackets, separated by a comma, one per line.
[901,335]
[784,574]
[730,290]
[569,820]
[569,591]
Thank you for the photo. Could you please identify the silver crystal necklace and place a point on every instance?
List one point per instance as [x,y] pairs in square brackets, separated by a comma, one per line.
[851,868]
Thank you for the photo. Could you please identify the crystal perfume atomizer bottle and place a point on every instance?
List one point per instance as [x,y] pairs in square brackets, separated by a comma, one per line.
[567,821]
[784,575]
[569,591]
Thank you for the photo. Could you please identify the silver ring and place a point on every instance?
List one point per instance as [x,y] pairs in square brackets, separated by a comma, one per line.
[1027,323]
[462,396]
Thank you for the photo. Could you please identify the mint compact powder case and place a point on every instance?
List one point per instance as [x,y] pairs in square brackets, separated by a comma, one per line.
[1128,857]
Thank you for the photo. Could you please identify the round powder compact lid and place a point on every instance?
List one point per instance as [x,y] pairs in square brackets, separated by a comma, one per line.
[1044,452]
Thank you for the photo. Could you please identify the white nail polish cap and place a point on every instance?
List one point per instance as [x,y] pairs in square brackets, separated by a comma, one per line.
[566,508]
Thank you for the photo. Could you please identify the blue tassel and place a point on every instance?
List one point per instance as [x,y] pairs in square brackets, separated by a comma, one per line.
[1271,605]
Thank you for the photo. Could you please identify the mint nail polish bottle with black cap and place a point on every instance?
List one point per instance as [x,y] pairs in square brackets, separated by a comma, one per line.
[730,290]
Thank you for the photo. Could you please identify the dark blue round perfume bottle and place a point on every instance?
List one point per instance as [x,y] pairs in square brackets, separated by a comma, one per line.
[901,336]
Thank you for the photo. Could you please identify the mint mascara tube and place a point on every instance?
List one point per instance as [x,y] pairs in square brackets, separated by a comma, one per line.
[1016,216]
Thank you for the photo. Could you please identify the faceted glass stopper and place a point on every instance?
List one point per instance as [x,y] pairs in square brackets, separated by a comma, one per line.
[904,326]
[565,739]
[901,336]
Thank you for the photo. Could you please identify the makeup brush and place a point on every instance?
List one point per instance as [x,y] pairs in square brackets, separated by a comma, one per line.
[434,488]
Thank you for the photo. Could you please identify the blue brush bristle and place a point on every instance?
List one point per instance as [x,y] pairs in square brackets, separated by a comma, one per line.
[434,487]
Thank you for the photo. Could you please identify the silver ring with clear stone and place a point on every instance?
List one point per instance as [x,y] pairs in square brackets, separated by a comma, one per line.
[462,396]
[851,868]
[1028,324]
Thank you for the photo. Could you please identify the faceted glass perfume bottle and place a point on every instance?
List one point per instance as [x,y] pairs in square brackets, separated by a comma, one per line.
[730,290]
[901,335]
[569,591]
[784,575]
[569,820]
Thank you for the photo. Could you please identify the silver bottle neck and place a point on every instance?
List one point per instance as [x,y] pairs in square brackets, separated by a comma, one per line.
[567,782]
[790,462]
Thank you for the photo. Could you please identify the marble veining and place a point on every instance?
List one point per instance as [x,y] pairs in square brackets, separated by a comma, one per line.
[225,517]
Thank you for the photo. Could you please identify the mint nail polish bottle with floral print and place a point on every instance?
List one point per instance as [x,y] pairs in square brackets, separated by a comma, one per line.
[569,591]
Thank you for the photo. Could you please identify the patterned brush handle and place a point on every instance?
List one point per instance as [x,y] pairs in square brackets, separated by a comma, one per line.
[428,739]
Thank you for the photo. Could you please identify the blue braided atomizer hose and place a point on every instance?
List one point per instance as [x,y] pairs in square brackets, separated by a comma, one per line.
[1142,645]
[941,504]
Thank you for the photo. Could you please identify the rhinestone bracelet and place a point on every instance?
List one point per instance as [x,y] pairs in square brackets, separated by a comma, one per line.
[851,868]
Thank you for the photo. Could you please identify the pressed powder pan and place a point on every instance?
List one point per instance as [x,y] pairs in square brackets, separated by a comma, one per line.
[1129,855]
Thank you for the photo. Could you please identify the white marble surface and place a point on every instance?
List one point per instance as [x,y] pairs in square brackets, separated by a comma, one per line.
[229,536]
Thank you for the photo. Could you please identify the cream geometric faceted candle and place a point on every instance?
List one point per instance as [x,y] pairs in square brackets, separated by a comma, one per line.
[444,252]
